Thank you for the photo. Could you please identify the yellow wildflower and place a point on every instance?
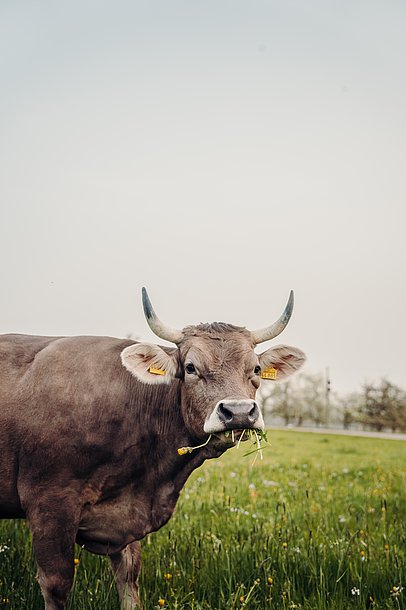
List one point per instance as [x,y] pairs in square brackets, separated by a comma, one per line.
[76,561]
[270,581]
[161,602]
[183,450]
[284,545]
[168,576]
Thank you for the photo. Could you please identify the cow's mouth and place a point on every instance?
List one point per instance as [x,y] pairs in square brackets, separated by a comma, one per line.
[233,436]
[230,438]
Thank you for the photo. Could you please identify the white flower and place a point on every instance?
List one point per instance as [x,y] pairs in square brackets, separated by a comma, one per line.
[355,591]
[396,591]
[270,483]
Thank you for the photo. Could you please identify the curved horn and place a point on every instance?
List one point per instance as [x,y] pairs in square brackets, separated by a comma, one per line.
[270,332]
[155,324]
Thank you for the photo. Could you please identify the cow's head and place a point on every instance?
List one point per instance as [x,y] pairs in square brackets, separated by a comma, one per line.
[219,369]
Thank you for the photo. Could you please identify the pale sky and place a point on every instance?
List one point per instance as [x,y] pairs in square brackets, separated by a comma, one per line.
[219,153]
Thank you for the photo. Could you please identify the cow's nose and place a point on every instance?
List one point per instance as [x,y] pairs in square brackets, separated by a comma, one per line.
[238,413]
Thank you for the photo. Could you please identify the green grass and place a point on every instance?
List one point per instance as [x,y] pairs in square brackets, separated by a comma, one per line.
[318,517]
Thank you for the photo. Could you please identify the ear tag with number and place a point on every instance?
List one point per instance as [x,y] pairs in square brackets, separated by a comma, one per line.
[271,373]
[155,371]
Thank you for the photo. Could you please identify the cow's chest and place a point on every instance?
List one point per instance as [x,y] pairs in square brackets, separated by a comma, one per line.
[112,523]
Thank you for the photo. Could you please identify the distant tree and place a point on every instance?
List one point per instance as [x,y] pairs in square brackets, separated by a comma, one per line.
[132,336]
[313,397]
[347,409]
[277,401]
[301,398]
[383,405]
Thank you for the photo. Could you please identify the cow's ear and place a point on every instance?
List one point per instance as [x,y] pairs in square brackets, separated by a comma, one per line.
[150,363]
[281,361]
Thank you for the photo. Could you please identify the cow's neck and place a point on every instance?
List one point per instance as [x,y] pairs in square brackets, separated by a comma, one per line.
[136,492]
[164,432]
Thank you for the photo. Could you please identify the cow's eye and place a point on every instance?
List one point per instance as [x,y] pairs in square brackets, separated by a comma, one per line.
[257,370]
[190,368]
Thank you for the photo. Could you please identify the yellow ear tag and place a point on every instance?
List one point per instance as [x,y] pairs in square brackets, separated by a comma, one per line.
[269,373]
[155,371]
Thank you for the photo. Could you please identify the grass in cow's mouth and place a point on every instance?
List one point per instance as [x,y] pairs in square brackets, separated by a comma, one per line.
[259,434]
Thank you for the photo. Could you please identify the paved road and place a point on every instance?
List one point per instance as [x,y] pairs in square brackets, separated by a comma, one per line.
[386,435]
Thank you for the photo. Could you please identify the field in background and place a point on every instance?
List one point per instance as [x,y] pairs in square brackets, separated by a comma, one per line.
[319,523]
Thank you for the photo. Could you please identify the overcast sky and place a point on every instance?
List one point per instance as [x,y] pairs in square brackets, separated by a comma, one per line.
[219,153]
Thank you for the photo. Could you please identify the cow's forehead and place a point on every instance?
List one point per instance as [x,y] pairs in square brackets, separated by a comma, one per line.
[217,330]
[216,342]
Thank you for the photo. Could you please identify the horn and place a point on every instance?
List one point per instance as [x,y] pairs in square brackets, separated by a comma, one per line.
[270,332]
[155,324]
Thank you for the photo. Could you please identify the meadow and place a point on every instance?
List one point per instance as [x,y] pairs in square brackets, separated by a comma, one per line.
[319,523]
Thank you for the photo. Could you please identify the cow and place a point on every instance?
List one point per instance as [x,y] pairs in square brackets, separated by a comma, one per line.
[97,434]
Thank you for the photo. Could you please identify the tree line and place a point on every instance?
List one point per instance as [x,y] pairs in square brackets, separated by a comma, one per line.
[306,399]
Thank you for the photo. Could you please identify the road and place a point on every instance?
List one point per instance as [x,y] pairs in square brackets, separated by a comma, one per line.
[386,435]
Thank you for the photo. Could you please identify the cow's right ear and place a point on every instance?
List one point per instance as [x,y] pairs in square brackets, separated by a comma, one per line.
[149,363]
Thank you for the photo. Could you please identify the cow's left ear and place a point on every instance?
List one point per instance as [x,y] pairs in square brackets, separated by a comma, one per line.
[150,363]
[281,361]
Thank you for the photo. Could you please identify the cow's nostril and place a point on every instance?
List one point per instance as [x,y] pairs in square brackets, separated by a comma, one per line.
[225,414]
[253,414]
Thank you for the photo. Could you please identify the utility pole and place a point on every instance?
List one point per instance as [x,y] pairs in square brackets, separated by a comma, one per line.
[328,389]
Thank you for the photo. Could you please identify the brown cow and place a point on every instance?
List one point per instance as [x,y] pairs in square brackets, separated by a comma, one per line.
[90,426]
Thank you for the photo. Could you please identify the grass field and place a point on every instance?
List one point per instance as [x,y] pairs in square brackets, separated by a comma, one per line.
[319,523]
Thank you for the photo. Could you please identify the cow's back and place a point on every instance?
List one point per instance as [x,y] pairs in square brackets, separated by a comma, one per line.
[17,353]
[54,394]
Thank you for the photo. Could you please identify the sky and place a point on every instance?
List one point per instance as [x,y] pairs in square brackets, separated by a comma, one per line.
[218,153]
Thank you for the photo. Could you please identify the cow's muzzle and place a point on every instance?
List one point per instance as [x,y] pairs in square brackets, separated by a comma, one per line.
[234,415]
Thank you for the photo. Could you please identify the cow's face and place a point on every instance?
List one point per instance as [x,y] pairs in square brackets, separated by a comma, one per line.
[220,374]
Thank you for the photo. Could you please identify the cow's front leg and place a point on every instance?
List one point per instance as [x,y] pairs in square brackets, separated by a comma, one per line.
[126,566]
[53,536]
